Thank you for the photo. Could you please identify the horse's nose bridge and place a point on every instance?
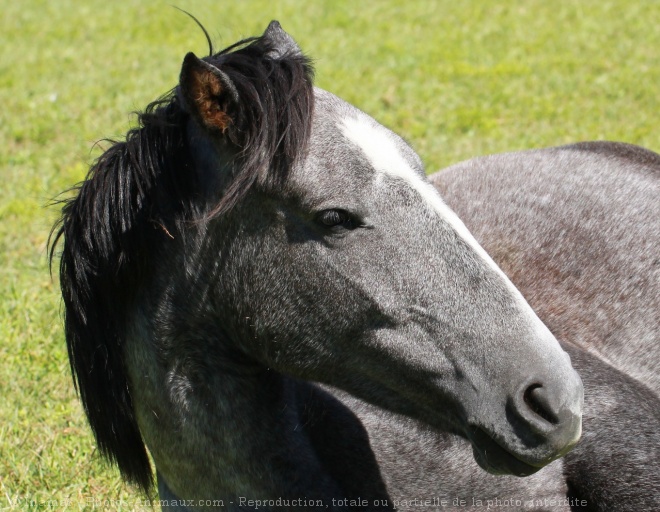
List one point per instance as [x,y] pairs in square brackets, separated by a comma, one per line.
[465,298]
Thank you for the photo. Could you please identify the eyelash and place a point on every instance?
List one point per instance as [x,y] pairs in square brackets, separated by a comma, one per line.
[335,219]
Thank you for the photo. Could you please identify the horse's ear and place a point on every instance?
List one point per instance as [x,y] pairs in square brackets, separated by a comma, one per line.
[283,43]
[208,93]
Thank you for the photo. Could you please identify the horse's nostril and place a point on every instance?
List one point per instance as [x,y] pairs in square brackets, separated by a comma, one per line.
[536,399]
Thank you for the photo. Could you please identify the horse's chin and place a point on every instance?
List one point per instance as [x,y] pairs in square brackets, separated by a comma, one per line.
[495,459]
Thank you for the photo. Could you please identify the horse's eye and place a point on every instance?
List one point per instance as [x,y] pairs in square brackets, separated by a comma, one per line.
[336,218]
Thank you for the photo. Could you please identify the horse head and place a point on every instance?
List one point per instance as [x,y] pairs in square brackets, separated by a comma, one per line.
[256,225]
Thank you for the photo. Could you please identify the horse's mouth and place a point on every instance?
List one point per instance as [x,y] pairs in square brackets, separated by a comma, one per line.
[492,457]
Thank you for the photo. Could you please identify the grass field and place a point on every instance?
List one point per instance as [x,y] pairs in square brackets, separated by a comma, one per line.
[457,79]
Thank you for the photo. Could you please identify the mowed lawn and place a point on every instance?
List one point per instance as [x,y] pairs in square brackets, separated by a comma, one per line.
[456,79]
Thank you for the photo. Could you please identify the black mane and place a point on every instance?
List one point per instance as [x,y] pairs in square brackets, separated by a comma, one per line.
[121,212]
[272,125]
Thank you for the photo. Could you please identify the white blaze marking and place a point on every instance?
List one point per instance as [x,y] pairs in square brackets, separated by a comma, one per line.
[381,149]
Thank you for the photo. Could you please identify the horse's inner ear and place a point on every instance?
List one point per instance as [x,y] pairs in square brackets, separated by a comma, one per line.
[208,93]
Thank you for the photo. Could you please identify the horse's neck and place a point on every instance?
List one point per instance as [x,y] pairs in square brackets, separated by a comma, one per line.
[237,434]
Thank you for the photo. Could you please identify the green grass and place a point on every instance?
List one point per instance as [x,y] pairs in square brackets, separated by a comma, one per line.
[457,79]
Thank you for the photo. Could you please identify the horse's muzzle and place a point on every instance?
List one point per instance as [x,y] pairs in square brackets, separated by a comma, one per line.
[545,421]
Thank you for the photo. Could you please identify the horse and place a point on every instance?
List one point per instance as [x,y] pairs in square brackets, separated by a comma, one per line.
[576,229]
[256,254]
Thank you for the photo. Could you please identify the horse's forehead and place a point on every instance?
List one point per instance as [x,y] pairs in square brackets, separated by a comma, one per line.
[385,151]
[345,138]
[387,157]
[351,144]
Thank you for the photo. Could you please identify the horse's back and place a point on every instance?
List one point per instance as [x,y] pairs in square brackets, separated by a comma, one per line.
[576,228]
